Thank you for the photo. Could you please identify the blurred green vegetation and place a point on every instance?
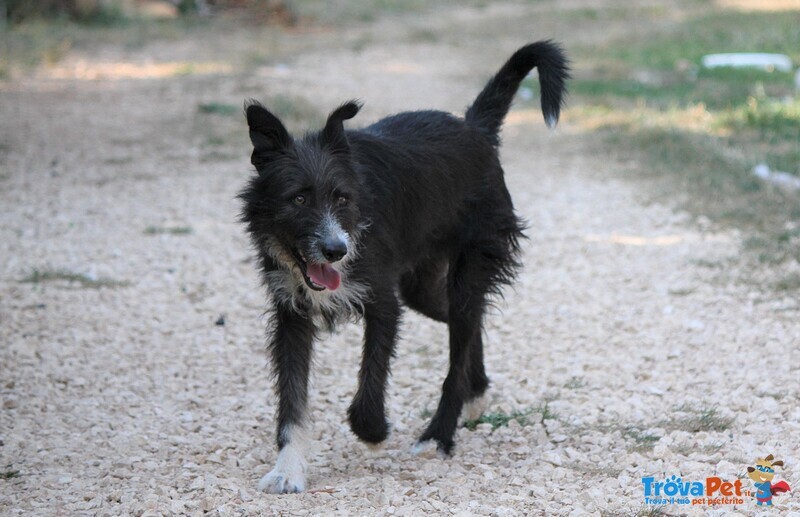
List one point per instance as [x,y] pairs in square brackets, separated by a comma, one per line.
[698,131]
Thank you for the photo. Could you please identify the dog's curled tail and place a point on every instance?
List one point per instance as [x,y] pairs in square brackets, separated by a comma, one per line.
[492,104]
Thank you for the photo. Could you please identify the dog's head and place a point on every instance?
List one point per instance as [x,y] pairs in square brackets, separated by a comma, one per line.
[302,207]
[764,470]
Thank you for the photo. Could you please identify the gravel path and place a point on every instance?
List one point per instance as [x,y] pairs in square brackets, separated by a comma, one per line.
[627,341]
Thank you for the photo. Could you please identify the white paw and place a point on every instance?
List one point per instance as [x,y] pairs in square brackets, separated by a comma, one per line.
[280,482]
[427,449]
[474,409]
[375,446]
[289,474]
[422,448]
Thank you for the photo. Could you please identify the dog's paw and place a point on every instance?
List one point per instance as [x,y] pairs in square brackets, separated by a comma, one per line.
[281,482]
[444,447]
[475,408]
[369,427]
[424,447]
[289,474]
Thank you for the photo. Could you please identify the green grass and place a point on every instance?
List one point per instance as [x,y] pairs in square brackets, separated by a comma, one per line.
[345,12]
[644,511]
[695,420]
[773,121]
[9,474]
[701,132]
[642,441]
[219,108]
[170,230]
[45,42]
[85,281]
[499,419]
[712,32]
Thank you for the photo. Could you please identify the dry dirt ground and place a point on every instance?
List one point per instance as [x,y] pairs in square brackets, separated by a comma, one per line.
[628,337]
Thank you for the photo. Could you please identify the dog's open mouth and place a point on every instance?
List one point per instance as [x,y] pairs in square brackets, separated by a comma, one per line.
[317,276]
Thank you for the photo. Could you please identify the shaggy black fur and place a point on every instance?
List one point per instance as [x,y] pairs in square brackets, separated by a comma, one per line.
[413,208]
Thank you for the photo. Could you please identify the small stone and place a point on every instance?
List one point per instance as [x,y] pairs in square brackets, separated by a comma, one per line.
[552,457]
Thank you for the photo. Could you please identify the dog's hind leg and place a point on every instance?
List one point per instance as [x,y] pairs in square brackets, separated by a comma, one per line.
[290,348]
[367,413]
[468,284]
[477,400]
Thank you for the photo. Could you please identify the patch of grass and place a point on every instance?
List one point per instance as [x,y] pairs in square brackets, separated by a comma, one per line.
[9,474]
[45,42]
[170,230]
[545,412]
[85,281]
[712,32]
[613,90]
[104,13]
[32,44]
[346,12]
[426,413]
[644,511]
[642,442]
[219,108]
[650,511]
[773,120]
[215,141]
[695,420]
[499,419]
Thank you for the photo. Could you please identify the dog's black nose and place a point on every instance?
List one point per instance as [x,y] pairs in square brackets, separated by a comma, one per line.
[334,249]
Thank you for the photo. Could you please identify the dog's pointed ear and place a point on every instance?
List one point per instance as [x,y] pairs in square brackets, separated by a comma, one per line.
[778,463]
[769,458]
[333,134]
[267,133]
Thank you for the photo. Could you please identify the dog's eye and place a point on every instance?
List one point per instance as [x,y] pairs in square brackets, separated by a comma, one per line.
[341,200]
[299,199]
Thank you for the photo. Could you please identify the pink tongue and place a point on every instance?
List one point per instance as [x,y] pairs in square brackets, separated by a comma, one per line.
[324,274]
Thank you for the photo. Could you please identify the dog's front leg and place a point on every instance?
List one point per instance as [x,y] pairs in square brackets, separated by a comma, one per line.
[290,349]
[367,413]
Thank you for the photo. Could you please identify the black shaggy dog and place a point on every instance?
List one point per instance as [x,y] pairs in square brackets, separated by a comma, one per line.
[351,223]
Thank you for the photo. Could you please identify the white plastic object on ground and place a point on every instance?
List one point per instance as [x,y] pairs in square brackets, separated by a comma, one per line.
[779,179]
[779,62]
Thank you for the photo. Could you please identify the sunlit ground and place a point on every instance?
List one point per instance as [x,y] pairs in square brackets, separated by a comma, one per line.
[94,70]
[760,5]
